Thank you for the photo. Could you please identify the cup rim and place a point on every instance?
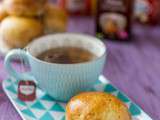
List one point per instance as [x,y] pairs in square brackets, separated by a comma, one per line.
[67,34]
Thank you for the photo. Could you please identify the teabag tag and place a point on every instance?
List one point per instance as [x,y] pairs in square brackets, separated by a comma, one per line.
[26,88]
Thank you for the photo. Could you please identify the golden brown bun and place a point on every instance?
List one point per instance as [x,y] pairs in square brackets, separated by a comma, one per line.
[24,7]
[17,32]
[96,106]
[3,12]
[55,19]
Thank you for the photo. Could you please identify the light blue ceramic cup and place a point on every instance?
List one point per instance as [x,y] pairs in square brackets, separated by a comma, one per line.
[61,81]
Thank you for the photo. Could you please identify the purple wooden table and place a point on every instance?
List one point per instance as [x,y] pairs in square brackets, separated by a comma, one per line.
[133,67]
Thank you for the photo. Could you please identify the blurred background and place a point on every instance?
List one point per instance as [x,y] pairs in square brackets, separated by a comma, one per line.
[129,28]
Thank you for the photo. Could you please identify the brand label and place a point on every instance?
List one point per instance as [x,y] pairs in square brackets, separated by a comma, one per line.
[26,90]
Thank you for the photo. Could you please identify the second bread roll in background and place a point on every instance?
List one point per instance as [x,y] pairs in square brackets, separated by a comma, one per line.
[24,7]
[55,19]
[17,32]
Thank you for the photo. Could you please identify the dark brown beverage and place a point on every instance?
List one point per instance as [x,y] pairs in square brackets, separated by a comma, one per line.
[66,55]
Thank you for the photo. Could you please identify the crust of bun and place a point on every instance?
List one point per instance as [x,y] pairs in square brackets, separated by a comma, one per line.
[96,106]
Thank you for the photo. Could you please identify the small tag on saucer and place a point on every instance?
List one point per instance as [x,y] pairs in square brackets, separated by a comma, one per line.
[26,90]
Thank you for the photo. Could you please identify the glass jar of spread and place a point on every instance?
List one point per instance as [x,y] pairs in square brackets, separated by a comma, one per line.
[114,19]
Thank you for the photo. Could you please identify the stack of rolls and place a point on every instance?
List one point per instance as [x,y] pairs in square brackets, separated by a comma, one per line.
[24,20]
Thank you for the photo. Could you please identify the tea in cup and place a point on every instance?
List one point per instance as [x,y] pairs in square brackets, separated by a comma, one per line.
[63,64]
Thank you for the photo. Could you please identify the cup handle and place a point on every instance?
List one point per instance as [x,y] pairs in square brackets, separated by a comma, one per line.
[12,72]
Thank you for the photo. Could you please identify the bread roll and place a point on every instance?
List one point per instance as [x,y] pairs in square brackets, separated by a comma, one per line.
[24,7]
[55,19]
[3,12]
[96,106]
[17,32]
